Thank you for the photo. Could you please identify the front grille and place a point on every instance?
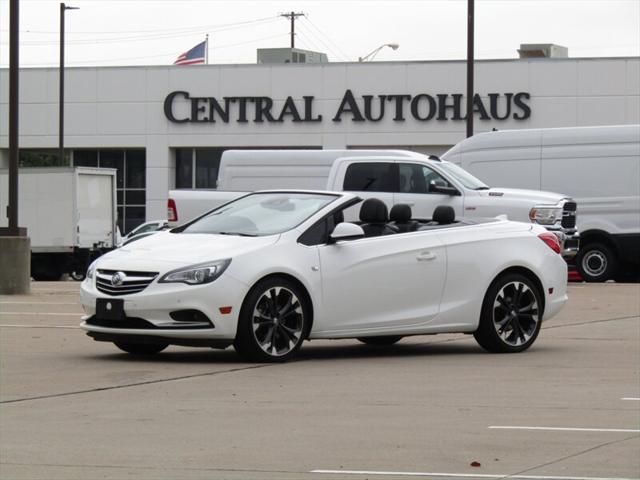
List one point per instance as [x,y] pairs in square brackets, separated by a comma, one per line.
[130,282]
[569,215]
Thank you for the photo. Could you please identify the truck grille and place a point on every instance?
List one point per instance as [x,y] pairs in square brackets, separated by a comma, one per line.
[569,215]
[117,282]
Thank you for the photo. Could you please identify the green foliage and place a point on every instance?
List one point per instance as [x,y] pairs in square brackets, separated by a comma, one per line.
[35,158]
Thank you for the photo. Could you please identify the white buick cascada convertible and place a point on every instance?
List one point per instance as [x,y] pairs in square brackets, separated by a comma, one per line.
[273,268]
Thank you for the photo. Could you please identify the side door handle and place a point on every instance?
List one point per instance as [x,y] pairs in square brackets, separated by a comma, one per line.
[426,256]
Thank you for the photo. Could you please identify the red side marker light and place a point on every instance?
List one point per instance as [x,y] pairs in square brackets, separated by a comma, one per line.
[551,240]
[550,290]
[225,310]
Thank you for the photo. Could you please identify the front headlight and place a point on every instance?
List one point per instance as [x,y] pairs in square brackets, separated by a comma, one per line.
[545,215]
[197,274]
[91,270]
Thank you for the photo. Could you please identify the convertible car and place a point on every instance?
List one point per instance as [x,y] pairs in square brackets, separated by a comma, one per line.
[274,268]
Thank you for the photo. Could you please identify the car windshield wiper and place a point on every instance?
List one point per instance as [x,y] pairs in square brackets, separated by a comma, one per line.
[482,188]
[240,234]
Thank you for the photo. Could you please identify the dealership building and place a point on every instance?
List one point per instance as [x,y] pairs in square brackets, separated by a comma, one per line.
[166,127]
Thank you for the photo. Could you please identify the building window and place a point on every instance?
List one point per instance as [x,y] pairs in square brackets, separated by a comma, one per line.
[131,167]
[197,167]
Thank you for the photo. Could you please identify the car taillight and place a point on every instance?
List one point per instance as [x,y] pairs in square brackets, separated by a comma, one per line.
[551,240]
[172,213]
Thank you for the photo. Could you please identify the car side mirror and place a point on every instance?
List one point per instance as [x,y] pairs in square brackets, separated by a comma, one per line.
[437,188]
[346,231]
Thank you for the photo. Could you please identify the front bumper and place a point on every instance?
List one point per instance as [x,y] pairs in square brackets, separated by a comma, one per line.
[149,313]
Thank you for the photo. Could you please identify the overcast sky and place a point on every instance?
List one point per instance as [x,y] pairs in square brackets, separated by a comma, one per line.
[155,32]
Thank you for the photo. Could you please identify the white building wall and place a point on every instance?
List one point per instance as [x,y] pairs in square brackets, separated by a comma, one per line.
[123,106]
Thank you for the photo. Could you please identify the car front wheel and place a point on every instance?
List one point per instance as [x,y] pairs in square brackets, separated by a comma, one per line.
[511,315]
[274,321]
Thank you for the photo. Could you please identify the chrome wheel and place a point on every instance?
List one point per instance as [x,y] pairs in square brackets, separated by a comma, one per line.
[515,314]
[278,321]
[594,263]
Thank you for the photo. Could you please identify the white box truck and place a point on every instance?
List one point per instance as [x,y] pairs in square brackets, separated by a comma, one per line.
[598,166]
[70,215]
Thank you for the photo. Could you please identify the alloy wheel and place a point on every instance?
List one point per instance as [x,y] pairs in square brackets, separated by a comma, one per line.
[515,314]
[278,321]
[594,263]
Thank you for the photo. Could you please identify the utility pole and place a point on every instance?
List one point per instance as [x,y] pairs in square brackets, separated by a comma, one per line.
[292,16]
[470,93]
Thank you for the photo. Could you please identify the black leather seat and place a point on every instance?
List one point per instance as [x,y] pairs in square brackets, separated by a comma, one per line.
[400,217]
[374,217]
[444,215]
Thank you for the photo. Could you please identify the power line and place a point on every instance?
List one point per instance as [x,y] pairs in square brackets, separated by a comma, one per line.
[327,37]
[327,46]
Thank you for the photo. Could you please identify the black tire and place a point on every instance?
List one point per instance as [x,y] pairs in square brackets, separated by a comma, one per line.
[380,341]
[511,315]
[78,276]
[275,319]
[141,348]
[596,262]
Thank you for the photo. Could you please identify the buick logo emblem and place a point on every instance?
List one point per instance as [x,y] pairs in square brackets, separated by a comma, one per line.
[118,278]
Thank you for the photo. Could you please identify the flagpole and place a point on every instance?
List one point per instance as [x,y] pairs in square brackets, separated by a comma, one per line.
[206,50]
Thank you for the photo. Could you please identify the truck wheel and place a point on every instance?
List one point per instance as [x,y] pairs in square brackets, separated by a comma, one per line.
[78,276]
[596,262]
[141,348]
[380,341]
[274,321]
[511,315]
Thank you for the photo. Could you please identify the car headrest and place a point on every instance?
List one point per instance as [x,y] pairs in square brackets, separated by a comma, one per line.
[400,212]
[374,210]
[444,215]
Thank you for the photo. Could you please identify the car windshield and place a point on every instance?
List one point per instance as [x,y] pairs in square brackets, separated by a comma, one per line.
[261,214]
[462,176]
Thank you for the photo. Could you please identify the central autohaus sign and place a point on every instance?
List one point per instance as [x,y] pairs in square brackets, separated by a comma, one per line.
[366,108]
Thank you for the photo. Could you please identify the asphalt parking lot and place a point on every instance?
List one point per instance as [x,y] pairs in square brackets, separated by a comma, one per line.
[428,407]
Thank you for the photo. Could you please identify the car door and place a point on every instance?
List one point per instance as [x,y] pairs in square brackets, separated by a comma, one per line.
[416,188]
[381,282]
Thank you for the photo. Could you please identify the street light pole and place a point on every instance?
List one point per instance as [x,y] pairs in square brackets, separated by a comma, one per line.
[14,66]
[63,7]
[470,93]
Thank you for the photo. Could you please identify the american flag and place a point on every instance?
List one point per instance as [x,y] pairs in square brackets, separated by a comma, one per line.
[194,56]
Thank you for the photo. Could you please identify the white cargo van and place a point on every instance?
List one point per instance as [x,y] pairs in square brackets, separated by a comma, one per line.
[598,166]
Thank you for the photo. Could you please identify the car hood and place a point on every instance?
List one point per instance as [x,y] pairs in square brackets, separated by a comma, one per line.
[536,196]
[180,249]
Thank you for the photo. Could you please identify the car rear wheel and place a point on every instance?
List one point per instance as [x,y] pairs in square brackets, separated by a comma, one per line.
[141,348]
[596,262]
[511,315]
[274,321]
[380,341]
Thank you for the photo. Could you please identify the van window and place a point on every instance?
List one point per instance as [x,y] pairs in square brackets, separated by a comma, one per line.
[416,178]
[369,177]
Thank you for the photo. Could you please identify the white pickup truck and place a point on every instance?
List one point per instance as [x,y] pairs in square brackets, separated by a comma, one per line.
[394,176]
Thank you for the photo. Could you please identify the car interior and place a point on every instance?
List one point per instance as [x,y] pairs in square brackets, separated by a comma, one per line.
[376,221]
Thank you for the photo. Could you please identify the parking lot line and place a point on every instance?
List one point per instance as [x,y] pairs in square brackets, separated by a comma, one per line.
[565,429]
[631,398]
[462,475]
[43,313]
[39,303]
[39,326]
